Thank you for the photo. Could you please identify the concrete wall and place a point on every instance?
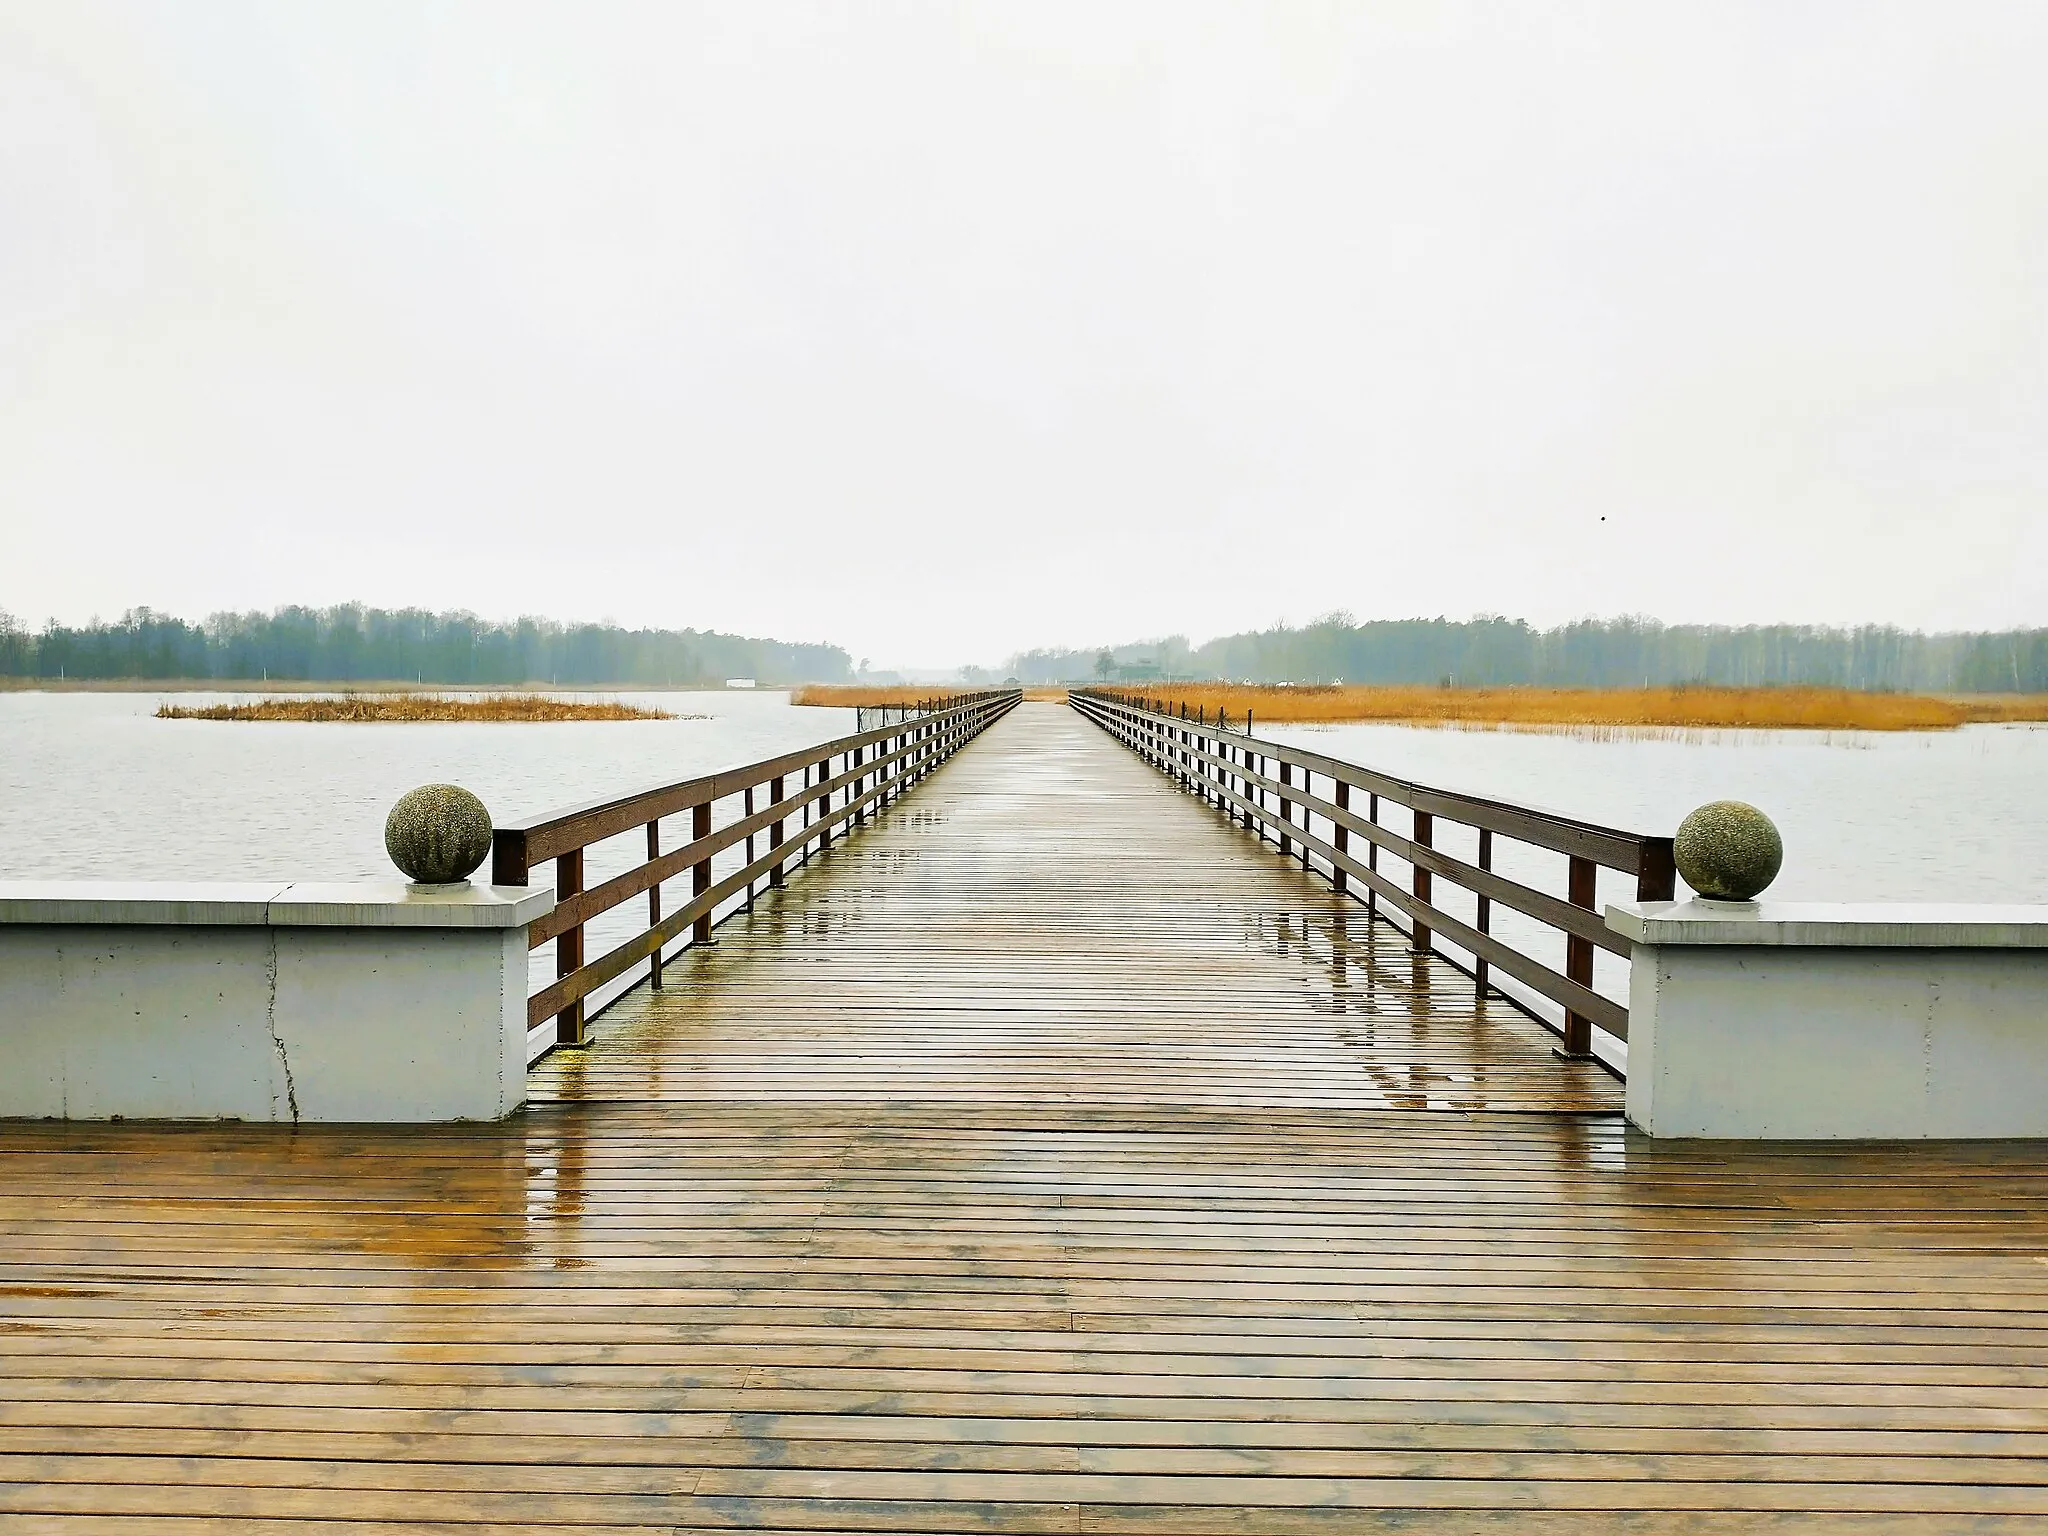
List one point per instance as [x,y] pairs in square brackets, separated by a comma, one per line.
[313,1004]
[1805,1023]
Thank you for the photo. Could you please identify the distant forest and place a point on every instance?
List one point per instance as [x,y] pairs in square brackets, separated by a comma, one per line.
[352,643]
[1598,653]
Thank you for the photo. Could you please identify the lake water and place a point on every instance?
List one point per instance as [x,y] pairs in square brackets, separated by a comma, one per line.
[93,787]
[1866,815]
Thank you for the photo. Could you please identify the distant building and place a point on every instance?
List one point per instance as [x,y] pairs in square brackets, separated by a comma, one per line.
[739,682]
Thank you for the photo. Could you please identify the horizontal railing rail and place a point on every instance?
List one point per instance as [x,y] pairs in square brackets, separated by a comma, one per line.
[868,717]
[1239,775]
[789,803]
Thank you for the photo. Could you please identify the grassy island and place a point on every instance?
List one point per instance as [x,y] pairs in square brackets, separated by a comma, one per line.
[363,708]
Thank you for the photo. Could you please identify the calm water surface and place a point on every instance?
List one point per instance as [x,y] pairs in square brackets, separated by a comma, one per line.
[92,786]
[1866,815]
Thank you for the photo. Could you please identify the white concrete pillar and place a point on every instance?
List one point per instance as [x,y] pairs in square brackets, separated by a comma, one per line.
[370,1002]
[1805,1021]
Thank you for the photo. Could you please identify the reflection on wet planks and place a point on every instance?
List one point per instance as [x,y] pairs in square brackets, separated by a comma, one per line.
[953,1317]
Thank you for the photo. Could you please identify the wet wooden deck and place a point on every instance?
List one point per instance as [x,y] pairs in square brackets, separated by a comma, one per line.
[1049,1158]
[1050,923]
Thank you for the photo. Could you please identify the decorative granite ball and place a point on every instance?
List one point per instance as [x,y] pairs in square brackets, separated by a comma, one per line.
[438,834]
[1728,851]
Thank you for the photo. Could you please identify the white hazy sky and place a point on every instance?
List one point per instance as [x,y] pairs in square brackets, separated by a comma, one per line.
[942,330]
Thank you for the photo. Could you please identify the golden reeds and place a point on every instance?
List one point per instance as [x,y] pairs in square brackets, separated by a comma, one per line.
[1655,708]
[352,708]
[849,696]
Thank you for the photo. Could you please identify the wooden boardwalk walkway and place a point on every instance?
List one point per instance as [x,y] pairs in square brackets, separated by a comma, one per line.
[1049,922]
[1049,1158]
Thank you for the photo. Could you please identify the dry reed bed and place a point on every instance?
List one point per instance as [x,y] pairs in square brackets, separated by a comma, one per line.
[360,708]
[847,696]
[1702,708]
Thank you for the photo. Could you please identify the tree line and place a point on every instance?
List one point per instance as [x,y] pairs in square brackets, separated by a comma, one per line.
[354,643]
[1591,653]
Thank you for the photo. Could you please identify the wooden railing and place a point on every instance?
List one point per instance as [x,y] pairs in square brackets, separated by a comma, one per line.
[789,802]
[1273,790]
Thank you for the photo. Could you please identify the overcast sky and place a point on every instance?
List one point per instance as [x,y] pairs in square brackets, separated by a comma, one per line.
[944,330]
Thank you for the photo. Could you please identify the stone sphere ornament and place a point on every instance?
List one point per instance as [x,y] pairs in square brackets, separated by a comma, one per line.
[438,834]
[1728,851]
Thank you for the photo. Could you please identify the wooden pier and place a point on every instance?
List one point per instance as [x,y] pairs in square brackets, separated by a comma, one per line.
[1050,1156]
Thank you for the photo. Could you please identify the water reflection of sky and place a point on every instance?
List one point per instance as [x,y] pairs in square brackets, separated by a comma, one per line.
[1866,816]
[93,787]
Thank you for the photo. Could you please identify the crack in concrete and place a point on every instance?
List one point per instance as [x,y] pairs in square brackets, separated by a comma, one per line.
[291,1089]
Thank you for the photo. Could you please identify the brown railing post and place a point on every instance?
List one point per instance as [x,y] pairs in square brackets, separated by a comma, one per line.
[508,857]
[700,872]
[1484,920]
[654,904]
[823,805]
[1286,808]
[1419,882]
[859,786]
[1578,955]
[569,1027]
[775,833]
[1341,836]
[748,811]
[1307,793]
[1372,858]
[1657,873]
[803,822]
